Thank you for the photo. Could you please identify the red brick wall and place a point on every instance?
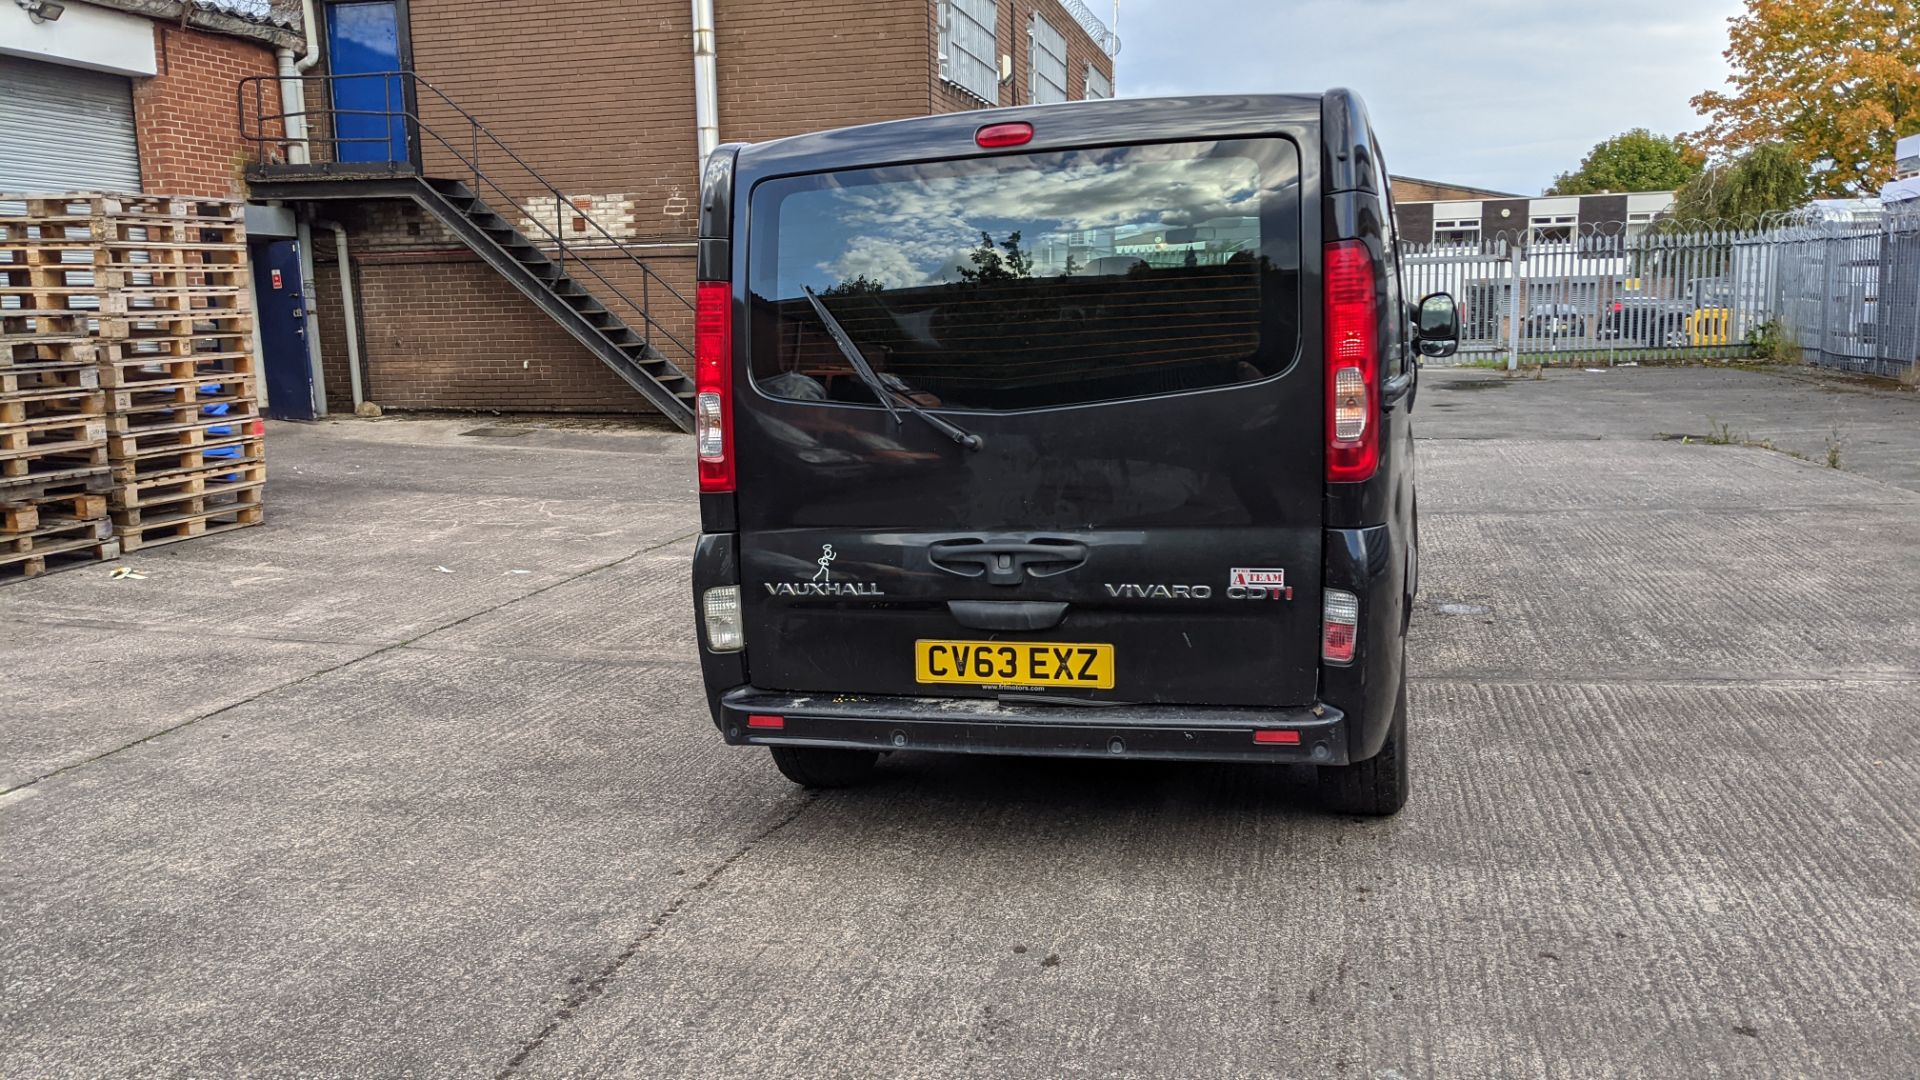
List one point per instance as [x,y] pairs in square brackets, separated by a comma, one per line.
[440,329]
[786,69]
[185,116]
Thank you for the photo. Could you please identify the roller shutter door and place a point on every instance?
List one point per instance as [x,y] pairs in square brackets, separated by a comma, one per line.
[65,129]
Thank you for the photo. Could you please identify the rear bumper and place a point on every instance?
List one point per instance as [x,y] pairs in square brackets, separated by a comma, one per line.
[984,726]
[1349,722]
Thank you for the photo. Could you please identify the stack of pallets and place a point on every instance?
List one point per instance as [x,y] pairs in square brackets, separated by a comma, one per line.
[142,302]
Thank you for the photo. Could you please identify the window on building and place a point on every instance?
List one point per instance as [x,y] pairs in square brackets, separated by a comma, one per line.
[1458,231]
[967,49]
[1638,222]
[1098,85]
[1046,63]
[1555,229]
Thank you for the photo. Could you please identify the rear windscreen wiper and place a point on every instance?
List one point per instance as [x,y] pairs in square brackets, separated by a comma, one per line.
[886,392]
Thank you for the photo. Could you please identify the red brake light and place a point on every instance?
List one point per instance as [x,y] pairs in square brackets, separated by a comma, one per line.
[766,723]
[1277,737]
[995,136]
[1352,336]
[713,383]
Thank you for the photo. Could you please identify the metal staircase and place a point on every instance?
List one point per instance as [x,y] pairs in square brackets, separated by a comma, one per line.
[560,276]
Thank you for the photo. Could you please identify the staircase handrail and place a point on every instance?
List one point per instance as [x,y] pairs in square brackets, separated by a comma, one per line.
[476,132]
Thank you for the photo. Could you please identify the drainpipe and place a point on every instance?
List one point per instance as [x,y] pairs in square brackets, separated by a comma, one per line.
[293,99]
[348,308]
[706,83]
[307,296]
[292,104]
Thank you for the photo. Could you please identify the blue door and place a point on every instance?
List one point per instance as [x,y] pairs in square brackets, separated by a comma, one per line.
[281,307]
[369,101]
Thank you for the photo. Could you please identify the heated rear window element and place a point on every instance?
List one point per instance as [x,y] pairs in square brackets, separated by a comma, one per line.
[1031,280]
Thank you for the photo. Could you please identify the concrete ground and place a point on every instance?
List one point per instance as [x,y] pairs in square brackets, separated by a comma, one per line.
[415,780]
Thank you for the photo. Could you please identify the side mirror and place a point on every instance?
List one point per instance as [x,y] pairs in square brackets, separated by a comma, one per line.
[1439,325]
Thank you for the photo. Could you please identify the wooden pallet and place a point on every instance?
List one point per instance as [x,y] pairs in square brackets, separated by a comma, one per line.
[30,350]
[153,463]
[56,403]
[142,369]
[51,530]
[94,204]
[199,494]
[33,514]
[130,279]
[150,296]
[32,379]
[187,425]
[51,483]
[22,325]
[52,435]
[158,395]
[60,555]
[169,528]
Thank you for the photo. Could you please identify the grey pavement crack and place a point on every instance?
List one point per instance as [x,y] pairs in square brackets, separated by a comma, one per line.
[597,985]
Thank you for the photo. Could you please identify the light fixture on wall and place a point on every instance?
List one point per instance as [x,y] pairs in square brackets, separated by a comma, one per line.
[42,11]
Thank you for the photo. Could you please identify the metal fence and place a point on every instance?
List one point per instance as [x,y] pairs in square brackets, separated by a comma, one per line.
[1846,293]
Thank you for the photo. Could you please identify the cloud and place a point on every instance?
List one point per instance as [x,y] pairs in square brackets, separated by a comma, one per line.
[915,233]
[1494,93]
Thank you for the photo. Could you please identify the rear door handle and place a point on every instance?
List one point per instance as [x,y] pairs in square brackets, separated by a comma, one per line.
[1007,563]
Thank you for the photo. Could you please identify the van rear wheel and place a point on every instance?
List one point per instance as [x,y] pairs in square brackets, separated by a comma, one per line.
[1376,787]
[824,767]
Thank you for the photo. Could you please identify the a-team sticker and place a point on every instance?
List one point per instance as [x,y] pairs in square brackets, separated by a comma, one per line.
[1258,583]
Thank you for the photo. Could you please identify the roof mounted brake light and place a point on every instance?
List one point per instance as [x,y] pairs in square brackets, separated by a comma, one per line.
[996,136]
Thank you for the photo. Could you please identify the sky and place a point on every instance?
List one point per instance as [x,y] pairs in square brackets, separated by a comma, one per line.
[1501,94]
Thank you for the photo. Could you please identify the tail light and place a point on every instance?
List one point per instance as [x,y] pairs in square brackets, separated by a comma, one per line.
[1353,363]
[713,383]
[1339,626]
[721,607]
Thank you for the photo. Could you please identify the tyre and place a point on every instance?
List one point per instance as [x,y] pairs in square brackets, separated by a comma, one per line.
[1376,787]
[1675,337]
[824,767]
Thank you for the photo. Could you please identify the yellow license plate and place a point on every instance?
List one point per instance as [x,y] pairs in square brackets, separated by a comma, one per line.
[1038,664]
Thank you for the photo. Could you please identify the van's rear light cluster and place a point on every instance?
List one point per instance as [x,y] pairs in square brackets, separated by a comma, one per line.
[1352,335]
[713,383]
[1339,626]
[720,608]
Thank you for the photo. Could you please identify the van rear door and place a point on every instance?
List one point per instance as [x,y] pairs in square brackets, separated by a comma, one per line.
[1127,331]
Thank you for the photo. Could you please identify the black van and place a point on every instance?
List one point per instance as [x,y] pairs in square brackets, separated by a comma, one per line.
[1073,430]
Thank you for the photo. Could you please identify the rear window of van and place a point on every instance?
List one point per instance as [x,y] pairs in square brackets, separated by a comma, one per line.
[1031,280]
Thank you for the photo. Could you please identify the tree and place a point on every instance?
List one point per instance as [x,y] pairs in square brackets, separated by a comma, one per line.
[1636,160]
[1837,80]
[1764,180]
[990,265]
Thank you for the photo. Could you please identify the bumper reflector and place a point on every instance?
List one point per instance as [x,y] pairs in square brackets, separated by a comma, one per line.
[1339,626]
[721,606]
[1277,738]
[766,723]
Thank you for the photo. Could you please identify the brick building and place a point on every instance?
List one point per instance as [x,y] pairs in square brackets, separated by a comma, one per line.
[545,280]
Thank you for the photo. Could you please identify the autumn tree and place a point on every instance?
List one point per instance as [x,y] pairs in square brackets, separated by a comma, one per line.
[1636,160]
[1837,80]
[1765,180]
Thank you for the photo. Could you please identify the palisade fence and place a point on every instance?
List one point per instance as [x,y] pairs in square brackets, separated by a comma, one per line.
[1845,293]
